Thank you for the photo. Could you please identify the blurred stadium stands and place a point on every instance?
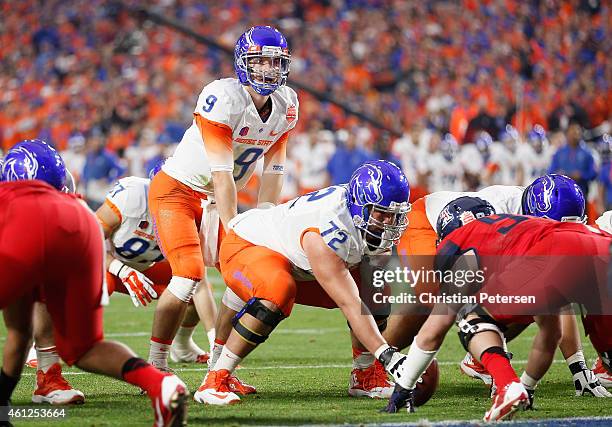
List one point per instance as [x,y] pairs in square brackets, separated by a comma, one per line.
[99,82]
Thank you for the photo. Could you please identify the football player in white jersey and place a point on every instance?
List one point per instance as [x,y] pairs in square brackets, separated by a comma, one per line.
[535,156]
[321,236]
[135,264]
[444,172]
[313,154]
[236,122]
[551,196]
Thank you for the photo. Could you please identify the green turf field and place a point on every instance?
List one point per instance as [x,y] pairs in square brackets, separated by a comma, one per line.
[302,374]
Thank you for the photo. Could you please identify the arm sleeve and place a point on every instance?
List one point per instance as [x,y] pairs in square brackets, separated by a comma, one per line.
[217,139]
[274,159]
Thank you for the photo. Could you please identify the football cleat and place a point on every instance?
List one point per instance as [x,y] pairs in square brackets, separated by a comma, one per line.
[170,404]
[603,375]
[52,387]
[507,401]
[31,360]
[474,369]
[191,354]
[215,390]
[240,387]
[370,382]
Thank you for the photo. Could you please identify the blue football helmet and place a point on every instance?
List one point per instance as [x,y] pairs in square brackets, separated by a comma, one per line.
[377,199]
[460,212]
[483,141]
[555,197]
[510,137]
[253,49]
[35,159]
[449,147]
[536,137]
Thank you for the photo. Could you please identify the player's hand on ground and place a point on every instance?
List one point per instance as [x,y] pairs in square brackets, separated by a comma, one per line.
[400,398]
[586,383]
[395,364]
[139,287]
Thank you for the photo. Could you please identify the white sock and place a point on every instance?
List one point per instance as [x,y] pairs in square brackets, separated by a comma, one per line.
[227,360]
[183,337]
[364,360]
[211,338]
[158,354]
[215,353]
[530,383]
[576,357]
[46,357]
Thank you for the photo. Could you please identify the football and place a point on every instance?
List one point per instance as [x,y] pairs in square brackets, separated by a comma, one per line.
[427,384]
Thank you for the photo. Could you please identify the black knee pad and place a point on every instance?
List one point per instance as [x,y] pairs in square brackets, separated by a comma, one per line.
[255,308]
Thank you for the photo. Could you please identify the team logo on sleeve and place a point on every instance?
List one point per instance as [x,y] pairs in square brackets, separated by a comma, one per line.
[291,113]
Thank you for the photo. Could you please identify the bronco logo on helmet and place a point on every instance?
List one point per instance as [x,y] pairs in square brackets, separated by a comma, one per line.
[22,166]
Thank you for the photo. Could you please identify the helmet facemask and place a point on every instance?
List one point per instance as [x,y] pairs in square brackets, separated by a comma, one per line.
[383,226]
[266,67]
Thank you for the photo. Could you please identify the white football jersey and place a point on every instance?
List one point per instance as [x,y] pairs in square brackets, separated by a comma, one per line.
[313,162]
[133,242]
[444,175]
[506,163]
[534,165]
[505,199]
[281,228]
[227,104]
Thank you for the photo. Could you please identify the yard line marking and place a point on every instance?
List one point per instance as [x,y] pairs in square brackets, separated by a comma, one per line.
[266,368]
[293,331]
[306,331]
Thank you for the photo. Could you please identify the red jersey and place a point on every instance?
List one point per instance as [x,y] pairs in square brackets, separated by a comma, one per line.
[51,248]
[506,234]
[540,264]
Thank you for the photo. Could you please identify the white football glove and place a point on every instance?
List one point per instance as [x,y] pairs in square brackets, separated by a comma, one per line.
[395,364]
[586,383]
[137,284]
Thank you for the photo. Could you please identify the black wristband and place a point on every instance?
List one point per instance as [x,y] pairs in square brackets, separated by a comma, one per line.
[385,356]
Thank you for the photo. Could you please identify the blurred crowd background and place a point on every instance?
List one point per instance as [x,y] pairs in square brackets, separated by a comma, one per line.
[481,92]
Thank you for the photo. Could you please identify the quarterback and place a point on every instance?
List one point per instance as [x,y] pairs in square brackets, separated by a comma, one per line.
[237,121]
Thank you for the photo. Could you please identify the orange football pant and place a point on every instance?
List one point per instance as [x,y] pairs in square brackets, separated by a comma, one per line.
[176,210]
[417,246]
